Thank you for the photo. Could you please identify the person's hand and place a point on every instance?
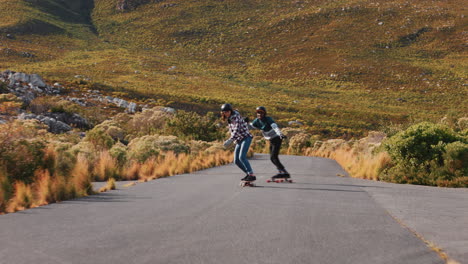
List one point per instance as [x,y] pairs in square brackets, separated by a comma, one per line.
[283,137]
[227,143]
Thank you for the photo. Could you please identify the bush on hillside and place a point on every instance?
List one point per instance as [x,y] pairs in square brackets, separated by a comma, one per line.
[150,121]
[22,150]
[10,104]
[99,137]
[3,88]
[426,154]
[145,147]
[193,126]
[119,153]
[298,142]
[456,159]
[420,144]
[6,189]
[462,124]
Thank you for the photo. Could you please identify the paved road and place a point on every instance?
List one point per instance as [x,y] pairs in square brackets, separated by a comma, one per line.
[205,217]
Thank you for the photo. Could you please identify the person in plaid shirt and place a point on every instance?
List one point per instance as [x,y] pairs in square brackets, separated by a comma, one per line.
[241,136]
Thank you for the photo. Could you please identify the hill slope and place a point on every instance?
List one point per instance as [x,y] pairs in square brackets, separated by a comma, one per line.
[341,67]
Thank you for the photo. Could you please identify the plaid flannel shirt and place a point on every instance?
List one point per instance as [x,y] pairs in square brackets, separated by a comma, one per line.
[238,127]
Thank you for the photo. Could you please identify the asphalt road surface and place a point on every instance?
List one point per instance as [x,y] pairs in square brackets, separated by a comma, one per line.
[205,217]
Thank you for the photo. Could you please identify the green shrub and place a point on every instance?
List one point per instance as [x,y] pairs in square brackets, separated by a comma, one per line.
[143,148]
[22,157]
[85,148]
[3,88]
[456,158]
[6,189]
[150,121]
[420,144]
[193,126]
[462,124]
[119,153]
[299,142]
[427,154]
[65,163]
[99,138]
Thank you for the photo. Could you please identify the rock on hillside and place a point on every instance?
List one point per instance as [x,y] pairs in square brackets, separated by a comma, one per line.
[27,87]
[124,5]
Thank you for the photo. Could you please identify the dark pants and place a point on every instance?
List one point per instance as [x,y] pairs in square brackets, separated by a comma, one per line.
[275,145]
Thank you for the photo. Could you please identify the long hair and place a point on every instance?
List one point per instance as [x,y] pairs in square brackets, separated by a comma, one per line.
[223,116]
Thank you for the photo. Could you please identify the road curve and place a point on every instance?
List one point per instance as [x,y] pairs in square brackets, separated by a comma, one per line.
[205,217]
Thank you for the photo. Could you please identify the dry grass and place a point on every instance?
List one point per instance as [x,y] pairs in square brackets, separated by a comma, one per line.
[22,199]
[356,157]
[43,192]
[358,165]
[171,164]
[110,185]
[105,168]
[47,187]
[130,184]
[81,176]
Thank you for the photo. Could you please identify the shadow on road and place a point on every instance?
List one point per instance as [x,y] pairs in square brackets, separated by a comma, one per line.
[107,198]
[303,189]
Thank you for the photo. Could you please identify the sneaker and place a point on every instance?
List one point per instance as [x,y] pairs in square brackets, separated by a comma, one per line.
[250,177]
[281,175]
[244,179]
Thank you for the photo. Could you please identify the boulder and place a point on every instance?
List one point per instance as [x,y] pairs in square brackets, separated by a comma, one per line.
[19,77]
[32,79]
[74,119]
[56,127]
[131,108]
[295,123]
[36,80]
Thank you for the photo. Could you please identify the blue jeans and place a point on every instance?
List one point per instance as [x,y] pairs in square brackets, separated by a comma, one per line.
[240,155]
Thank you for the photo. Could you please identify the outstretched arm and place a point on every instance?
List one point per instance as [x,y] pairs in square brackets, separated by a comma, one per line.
[277,130]
[251,125]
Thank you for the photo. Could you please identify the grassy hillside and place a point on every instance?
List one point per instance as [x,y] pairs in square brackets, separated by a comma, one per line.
[340,67]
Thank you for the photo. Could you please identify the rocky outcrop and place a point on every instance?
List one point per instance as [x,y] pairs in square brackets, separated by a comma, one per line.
[55,126]
[58,122]
[27,86]
[125,5]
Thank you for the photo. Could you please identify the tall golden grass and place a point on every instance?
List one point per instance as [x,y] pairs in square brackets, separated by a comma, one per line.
[171,164]
[358,165]
[49,187]
[110,185]
[356,157]
[106,167]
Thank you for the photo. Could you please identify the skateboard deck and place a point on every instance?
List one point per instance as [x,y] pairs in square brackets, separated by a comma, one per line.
[279,180]
[247,184]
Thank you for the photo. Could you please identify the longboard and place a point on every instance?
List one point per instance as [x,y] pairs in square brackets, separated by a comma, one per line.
[280,180]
